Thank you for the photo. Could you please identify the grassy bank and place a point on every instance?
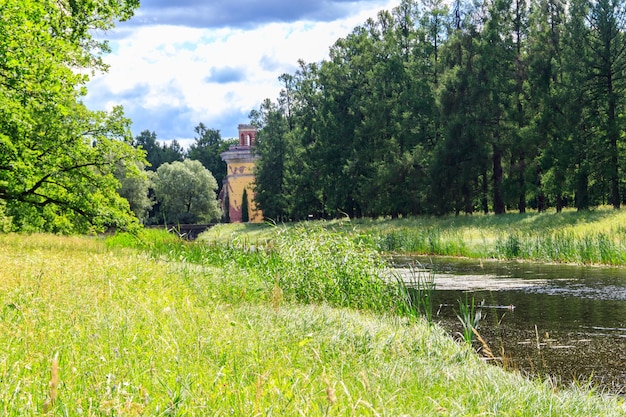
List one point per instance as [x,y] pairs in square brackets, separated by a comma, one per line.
[590,237]
[156,327]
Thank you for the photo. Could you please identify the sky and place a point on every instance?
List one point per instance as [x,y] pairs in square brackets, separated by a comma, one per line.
[178,63]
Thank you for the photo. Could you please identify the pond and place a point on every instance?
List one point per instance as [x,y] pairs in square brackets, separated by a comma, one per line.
[563,322]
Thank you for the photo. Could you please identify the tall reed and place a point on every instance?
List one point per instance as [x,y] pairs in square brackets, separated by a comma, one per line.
[421,286]
[469,316]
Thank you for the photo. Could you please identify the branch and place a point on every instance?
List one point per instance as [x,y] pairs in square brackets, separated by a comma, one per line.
[45,178]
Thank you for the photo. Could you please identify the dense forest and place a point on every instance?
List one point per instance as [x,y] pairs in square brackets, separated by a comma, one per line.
[438,107]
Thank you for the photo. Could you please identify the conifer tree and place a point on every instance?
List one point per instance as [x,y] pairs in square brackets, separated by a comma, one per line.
[245,215]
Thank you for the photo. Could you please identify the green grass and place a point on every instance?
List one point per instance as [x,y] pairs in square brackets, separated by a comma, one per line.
[590,237]
[305,263]
[146,332]
[593,237]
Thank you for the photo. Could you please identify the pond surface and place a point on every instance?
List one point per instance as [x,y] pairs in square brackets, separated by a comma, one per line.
[564,322]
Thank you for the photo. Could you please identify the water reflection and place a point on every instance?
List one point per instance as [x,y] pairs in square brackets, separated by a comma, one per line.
[569,322]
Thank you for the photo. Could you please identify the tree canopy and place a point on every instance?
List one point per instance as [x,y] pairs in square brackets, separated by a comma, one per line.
[57,158]
[207,148]
[158,153]
[447,107]
[186,193]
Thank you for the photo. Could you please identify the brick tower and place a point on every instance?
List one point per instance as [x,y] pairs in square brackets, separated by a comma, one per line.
[240,176]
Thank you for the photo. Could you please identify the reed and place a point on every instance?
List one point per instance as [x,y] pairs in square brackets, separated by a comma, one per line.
[420,287]
[306,264]
[469,316]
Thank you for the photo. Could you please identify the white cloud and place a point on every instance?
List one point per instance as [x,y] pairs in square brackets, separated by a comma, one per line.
[170,78]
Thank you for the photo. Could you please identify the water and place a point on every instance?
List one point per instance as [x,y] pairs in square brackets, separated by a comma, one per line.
[563,322]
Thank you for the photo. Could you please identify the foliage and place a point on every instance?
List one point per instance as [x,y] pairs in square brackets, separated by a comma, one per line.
[57,157]
[136,190]
[158,153]
[5,221]
[186,193]
[421,287]
[437,108]
[271,171]
[207,149]
[586,237]
[469,316]
[245,211]
[307,264]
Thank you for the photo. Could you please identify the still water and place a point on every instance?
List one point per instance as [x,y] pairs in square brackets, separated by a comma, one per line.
[564,322]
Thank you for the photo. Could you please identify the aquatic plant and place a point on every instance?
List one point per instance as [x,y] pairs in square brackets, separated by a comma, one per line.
[421,286]
[595,237]
[469,316]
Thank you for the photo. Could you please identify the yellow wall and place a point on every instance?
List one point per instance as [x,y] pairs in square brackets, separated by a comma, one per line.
[240,176]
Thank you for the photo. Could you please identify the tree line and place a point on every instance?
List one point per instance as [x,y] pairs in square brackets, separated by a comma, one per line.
[438,107]
[178,185]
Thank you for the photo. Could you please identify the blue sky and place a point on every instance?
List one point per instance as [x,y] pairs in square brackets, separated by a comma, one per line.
[181,62]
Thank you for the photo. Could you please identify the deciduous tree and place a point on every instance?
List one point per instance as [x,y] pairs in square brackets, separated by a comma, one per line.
[57,158]
[186,193]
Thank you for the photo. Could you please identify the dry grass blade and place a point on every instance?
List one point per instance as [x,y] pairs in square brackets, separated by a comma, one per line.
[485,347]
[330,392]
[53,387]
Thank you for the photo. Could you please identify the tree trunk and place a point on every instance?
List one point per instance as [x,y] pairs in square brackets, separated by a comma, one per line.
[582,190]
[484,200]
[498,201]
[613,138]
[522,183]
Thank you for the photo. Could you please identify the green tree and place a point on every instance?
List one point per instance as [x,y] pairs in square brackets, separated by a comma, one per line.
[136,190]
[270,169]
[544,86]
[186,193]
[245,215]
[579,147]
[607,47]
[496,104]
[147,141]
[302,177]
[158,153]
[494,88]
[523,148]
[207,149]
[461,158]
[57,158]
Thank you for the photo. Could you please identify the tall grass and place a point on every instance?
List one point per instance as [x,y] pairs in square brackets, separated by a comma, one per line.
[89,329]
[469,316]
[563,246]
[421,286]
[309,264]
[594,237]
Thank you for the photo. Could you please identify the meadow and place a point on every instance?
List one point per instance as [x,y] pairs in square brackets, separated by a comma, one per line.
[299,324]
[596,236]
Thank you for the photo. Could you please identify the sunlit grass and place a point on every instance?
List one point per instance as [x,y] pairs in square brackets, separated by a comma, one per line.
[590,237]
[136,336]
